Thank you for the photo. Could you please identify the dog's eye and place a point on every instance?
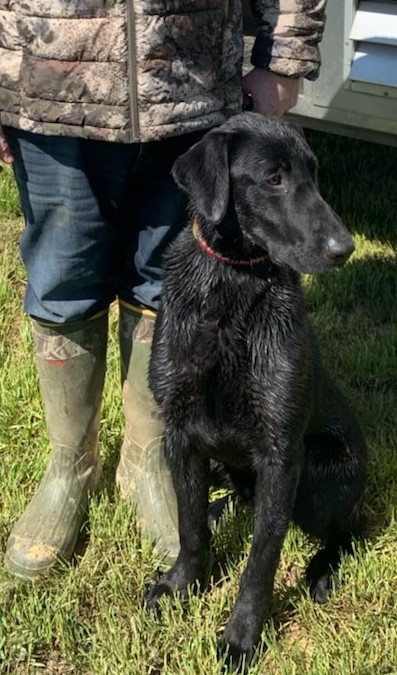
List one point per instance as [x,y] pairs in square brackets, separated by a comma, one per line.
[275,179]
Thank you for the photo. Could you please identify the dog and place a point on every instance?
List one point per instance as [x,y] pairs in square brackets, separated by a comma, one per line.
[235,368]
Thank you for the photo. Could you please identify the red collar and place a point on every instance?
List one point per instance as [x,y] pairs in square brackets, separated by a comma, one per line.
[198,235]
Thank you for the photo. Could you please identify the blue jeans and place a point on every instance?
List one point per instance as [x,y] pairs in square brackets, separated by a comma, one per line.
[98,218]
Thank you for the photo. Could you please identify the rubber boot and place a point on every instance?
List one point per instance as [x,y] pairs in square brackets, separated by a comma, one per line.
[143,474]
[71,364]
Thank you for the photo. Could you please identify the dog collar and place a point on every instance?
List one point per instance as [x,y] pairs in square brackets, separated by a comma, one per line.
[198,235]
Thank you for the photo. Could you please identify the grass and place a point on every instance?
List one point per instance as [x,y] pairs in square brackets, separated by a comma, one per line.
[88,617]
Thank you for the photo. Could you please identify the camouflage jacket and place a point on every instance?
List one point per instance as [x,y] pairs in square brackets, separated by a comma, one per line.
[128,70]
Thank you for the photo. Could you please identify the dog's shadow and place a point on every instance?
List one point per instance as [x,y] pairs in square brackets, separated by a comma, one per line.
[354,311]
[357,178]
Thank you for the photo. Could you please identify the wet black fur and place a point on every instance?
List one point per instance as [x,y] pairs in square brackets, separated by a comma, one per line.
[236,370]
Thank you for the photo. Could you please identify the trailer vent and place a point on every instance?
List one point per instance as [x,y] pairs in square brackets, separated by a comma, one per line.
[374,31]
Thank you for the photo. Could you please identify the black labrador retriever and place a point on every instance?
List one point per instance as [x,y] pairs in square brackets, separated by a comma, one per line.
[235,367]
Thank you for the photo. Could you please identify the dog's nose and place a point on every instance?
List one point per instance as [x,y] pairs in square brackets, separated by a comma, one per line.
[338,252]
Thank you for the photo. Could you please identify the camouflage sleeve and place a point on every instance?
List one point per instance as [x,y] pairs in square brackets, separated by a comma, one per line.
[288,36]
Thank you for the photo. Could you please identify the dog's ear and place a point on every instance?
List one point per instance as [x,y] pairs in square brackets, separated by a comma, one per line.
[203,173]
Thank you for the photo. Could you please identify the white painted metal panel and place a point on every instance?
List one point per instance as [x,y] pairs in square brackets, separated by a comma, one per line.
[374,32]
[375,22]
[375,63]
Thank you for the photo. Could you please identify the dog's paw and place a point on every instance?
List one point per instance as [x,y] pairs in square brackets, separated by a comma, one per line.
[155,592]
[322,588]
[177,580]
[237,649]
[321,578]
[236,660]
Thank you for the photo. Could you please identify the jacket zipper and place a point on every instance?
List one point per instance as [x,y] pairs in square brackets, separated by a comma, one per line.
[132,66]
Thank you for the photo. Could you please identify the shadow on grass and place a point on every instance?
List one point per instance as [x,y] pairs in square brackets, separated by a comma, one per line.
[354,311]
[107,488]
[110,466]
[364,287]
[358,179]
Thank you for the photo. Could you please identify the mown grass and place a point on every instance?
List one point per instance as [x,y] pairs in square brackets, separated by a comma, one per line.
[88,617]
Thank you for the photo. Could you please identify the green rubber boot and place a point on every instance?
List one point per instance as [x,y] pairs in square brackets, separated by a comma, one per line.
[71,363]
[142,474]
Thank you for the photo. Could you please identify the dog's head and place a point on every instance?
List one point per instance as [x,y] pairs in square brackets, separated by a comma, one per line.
[269,171]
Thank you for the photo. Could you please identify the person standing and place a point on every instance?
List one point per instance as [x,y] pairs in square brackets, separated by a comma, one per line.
[97,99]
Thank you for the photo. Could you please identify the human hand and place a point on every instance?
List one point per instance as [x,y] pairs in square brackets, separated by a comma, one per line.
[270,94]
[5,152]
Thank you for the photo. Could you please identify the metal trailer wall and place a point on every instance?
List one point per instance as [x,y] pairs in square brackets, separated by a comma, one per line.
[356,93]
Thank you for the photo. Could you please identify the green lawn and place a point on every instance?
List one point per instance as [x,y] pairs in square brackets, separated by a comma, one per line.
[88,617]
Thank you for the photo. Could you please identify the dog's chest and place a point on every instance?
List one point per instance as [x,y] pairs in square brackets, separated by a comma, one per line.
[212,384]
[215,360]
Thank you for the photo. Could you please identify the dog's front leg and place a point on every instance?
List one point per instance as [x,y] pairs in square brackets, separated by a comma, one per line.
[190,474]
[275,490]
